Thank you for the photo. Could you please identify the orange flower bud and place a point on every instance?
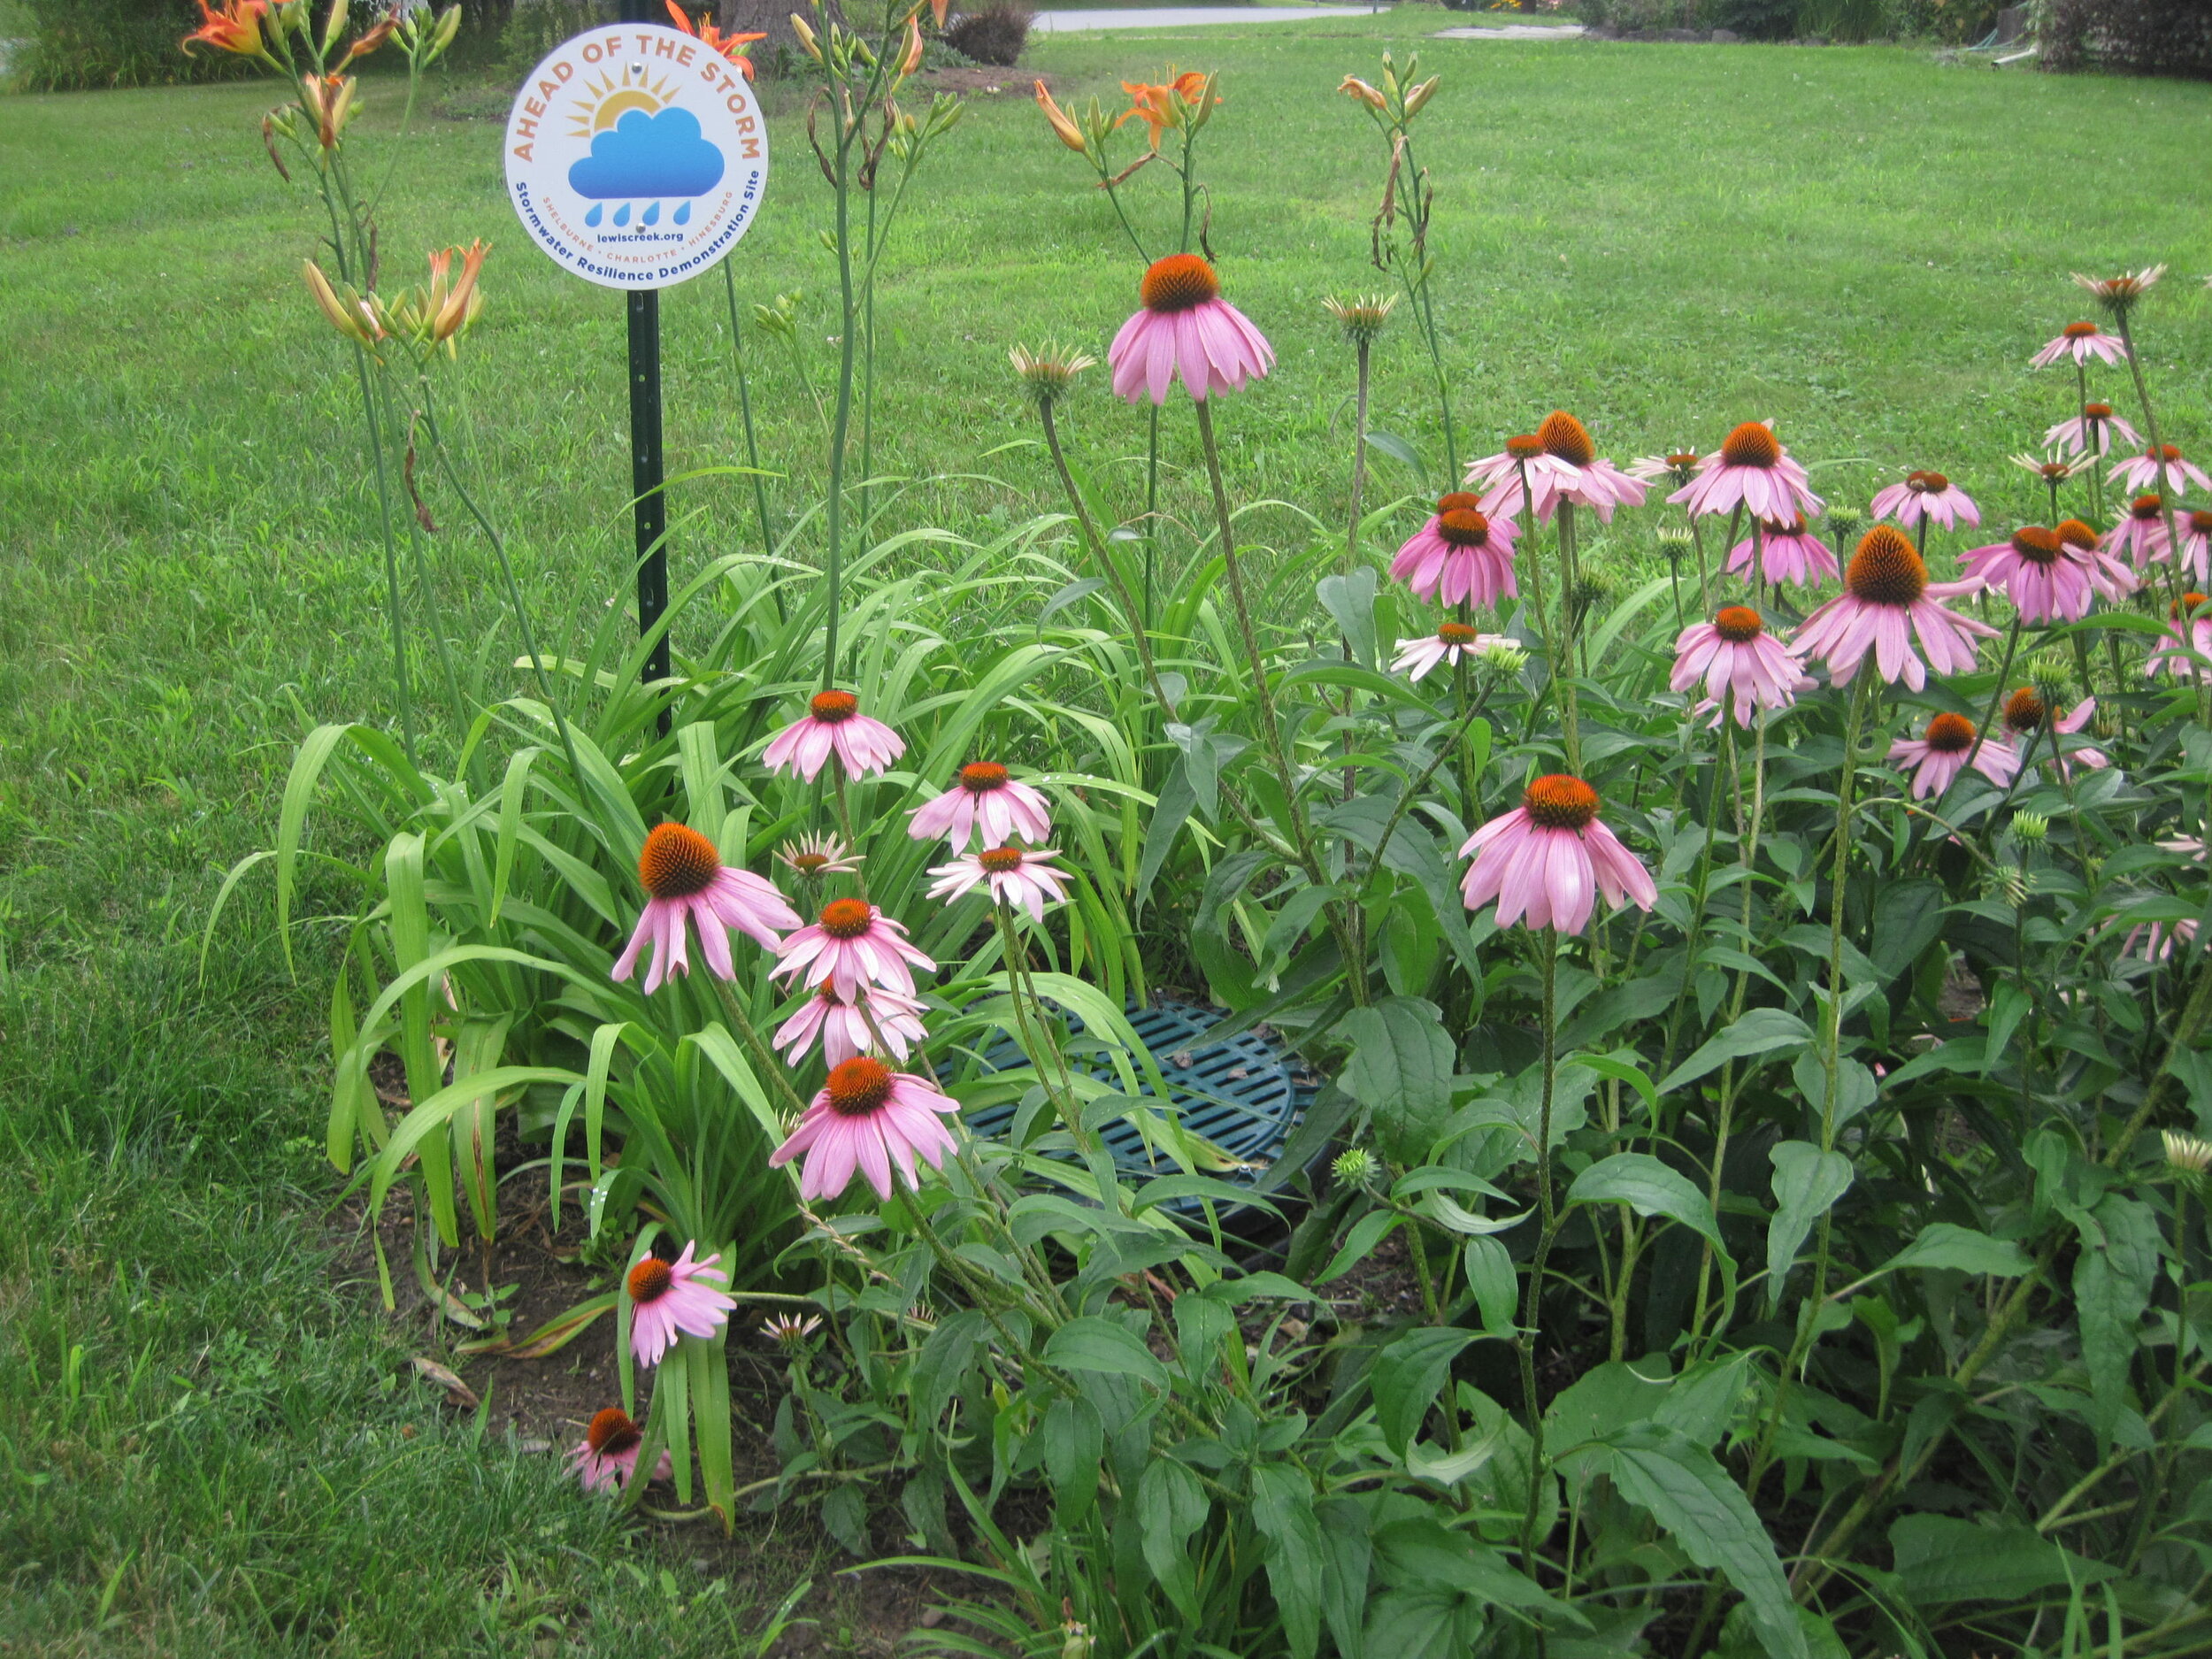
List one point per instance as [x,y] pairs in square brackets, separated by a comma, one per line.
[1063,127]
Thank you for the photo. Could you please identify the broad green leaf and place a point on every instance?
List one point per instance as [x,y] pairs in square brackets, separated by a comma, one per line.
[1282,1508]
[1940,1560]
[1425,1555]
[1946,1244]
[1409,1375]
[1401,1070]
[1074,1439]
[1091,1343]
[1807,1184]
[1490,1275]
[1170,1506]
[1761,1030]
[2112,1285]
[1649,1187]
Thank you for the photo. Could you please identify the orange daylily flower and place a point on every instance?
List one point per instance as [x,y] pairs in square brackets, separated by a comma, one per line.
[1161,107]
[912,61]
[452,309]
[235,29]
[1063,127]
[731,46]
[1354,87]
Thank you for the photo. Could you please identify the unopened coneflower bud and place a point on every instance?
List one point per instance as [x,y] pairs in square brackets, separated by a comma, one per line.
[1352,1165]
[1049,373]
[1674,541]
[1361,316]
[1505,661]
[2032,828]
[2012,882]
[1843,523]
[2187,1155]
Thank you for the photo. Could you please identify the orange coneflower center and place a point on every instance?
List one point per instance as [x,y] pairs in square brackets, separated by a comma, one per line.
[2074,532]
[2024,710]
[1950,734]
[809,864]
[2080,331]
[2037,545]
[1927,483]
[1526,447]
[2148,506]
[1457,633]
[999,860]
[1560,803]
[2164,452]
[1775,526]
[1564,436]
[677,862]
[1462,527]
[1681,458]
[2055,470]
[2201,523]
[1180,282]
[1886,571]
[1738,625]
[1751,444]
[980,777]
[847,918]
[612,1431]
[834,706]
[2189,605]
[859,1087]
[649,1279]
[2097,411]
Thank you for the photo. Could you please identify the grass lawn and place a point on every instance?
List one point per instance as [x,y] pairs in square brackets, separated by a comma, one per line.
[214,1445]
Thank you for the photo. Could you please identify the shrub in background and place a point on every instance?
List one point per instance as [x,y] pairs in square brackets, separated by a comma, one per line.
[1755,19]
[1845,20]
[995,34]
[2142,37]
[76,45]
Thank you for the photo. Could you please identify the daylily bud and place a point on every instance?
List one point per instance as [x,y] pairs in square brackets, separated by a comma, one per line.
[333,25]
[937,9]
[807,42]
[458,307]
[448,25]
[1420,95]
[354,321]
[1063,128]
[380,32]
[912,61]
[1354,87]
[1202,105]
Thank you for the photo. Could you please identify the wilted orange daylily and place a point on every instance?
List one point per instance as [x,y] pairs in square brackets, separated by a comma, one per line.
[1062,124]
[329,99]
[1354,87]
[374,38]
[235,29]
[731,46]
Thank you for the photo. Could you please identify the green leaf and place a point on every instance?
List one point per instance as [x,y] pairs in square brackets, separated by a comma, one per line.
[1940,1560]
[1346,1555]
[1946,1244]
[2112,1286]
[1350,602]
[1409,1375]
[1650,1188]
[1282,1508]
[1807,1184]
[1490,1276]
[1402,452]
[1401,1070]
[1091,1343]
[1074,1439]
[1425,1554]
[944,1362]
[1706,1514]
[1170,1506]
[1761,1030]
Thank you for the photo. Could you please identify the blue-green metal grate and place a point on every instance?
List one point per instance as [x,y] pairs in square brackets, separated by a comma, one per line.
[1245,1093]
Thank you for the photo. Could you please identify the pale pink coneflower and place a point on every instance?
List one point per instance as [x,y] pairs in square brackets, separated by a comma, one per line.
[1925,498]
[812,857]
[788,1330]
[686,883]
[2142,471]
[2091,432]
[1461,555]
[1185,329]
[1887,599]
[2081,341]
[1566,468]
[1025,878]
[1938,756]
[1753,471]
[2118,294]
[2026,714]
[986,803]
[851,944]
[2112,577]
[877,1019]
[2046,579]
[2139,537]
[1452,644]
[1787,552]
[1492,472]
[870,1118]
[1546,860]
[607,1456]
[2188,637]
[2155,942]
[1675,468]
[1744,667]
[833,724]
[668,1297]
[2196,543]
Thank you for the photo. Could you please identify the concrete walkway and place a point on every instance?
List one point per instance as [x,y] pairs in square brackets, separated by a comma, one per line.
[1184,16]
[1514,31]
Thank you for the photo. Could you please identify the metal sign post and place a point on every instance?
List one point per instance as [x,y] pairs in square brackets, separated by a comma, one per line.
[649,511]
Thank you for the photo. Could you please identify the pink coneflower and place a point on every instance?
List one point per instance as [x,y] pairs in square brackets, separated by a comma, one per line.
[667,1297]
[608,1457]
[1788,552]
[833,724]
[1462,555]
[2091,432]
[1022,876]
[2081,341]
[870,1118]
[687,882]
[1494,471]
[2155,942]
[2118,295]
[1185,329]
[812,857]
[852,944]
[1925,497]
[2196,543]
[878,1020]
[2188,636]
[2047,579]
[2025,714]
[1886,599]
[2141,535]
[1742,664]
[1753,471]
[2141,472]
[1936,759]
[1452,643]
[986,803]
[1566,467]
[1677,467]
[788,1330]
[1545,861]
[2110,577]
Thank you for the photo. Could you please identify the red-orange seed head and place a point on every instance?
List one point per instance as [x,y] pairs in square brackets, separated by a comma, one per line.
[677,862]
[1561,803]
[1180,282]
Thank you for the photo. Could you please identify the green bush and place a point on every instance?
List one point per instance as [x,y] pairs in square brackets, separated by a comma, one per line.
[78,44]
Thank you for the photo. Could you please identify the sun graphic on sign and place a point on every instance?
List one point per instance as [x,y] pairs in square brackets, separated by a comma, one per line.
[606,100]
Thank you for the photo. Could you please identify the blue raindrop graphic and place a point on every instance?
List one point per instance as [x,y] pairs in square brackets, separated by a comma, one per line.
[682,215]
[622,214]
[597,207]
[652,215]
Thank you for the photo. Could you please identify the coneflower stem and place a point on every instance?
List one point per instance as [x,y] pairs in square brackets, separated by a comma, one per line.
[1704,585]
[752,443]
[1359,459]
[1139,623]
[2165,495]
[1570,604]
[764,1056]
[1532,1298]
[1996,696]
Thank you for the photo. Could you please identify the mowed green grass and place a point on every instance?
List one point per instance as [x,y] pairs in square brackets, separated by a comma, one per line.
[212,1446]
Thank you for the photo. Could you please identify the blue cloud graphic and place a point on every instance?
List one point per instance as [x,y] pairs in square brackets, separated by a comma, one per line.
[649,155]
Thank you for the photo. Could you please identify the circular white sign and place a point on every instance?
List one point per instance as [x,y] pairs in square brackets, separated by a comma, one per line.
[636,155]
